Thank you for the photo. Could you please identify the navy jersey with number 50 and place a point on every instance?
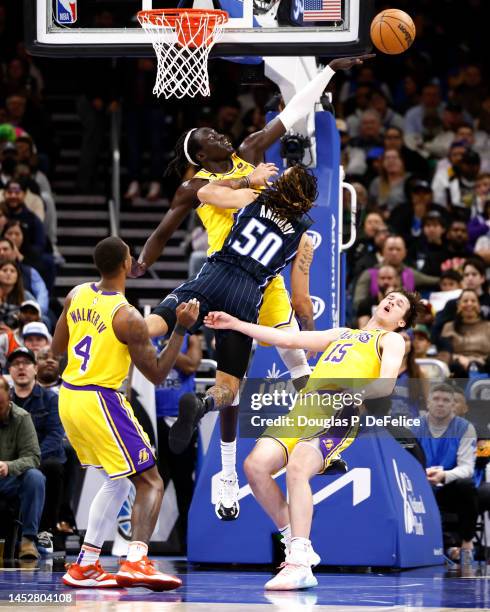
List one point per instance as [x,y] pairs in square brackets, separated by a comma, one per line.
[261,242]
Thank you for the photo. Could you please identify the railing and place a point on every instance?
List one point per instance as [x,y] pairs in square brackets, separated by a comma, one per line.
[115,199]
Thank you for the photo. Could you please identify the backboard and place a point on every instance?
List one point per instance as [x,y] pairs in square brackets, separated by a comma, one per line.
[93,28]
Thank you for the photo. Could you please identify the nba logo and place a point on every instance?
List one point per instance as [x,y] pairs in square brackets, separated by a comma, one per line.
[66,11]
[144,456]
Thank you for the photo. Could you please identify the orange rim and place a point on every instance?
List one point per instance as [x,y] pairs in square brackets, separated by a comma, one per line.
[173,15]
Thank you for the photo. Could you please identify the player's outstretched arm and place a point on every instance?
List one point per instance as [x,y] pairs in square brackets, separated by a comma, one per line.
[130,327]
[254,146]
[224,197]
[300,284]
[61,335]
[308,340]
[184,200]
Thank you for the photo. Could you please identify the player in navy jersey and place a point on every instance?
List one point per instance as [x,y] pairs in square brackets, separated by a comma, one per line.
[268,232]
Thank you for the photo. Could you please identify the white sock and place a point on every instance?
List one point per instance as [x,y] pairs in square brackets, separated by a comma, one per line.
[88,555]
[228,458]
[104,510]
[286,535]
[137,550]
[300,551]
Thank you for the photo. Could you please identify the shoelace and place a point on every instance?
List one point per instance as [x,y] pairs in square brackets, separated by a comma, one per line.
[286,568]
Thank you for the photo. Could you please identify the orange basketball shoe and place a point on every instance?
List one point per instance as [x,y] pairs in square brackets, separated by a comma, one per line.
[92,576]
[143,573]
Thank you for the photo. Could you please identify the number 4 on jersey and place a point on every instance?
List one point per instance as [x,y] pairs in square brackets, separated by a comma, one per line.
[82,351]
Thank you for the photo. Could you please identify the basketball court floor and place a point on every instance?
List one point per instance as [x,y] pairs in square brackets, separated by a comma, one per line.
[233,589]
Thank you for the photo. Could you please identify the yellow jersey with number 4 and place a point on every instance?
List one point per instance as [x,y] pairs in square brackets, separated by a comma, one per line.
[218,221]
[95,355]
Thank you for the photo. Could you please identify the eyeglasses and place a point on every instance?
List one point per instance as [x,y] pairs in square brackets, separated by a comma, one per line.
[21,362]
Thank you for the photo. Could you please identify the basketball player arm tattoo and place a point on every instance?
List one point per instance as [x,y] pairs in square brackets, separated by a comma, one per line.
[308,340]
[184,200]
[392,351]
[130,327]
[300,284]
[61,336]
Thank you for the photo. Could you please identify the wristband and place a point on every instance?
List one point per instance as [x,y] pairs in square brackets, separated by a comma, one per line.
[180,330]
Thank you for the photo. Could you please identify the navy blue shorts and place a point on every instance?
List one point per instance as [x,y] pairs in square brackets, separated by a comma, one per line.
[220,286]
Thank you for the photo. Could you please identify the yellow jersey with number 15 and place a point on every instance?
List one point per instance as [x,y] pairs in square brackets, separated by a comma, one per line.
[95,355]
[354,355]
[218,221]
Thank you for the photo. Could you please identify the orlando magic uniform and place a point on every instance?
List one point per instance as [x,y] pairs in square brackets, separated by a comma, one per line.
[259,245]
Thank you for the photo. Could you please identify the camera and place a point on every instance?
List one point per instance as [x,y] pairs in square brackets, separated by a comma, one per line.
[293,147]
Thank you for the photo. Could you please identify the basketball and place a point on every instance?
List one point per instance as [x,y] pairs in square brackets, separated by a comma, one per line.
[392,31]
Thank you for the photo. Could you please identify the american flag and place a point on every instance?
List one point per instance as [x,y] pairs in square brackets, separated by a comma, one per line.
[322,10]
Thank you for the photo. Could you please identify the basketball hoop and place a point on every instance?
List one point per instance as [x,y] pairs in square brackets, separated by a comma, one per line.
[182,40]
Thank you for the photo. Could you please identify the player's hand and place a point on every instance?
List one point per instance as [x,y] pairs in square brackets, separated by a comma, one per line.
[260,176]
[4,469]
[187,313]
[220,320]
[137,268]
[346,63]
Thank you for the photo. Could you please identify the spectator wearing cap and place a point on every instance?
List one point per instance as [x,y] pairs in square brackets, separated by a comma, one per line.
[414,162]
[31,278]
[353,159]
[36,336]
[421,341]
[430,250]
[388,189]
[19,477]
[454,189]
[449,443]
[394,254]
[17,210]
[42,405]
[12,292]
[479,224]
[465,340]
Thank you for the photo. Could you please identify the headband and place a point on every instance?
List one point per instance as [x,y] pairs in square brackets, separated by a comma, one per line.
[186,142]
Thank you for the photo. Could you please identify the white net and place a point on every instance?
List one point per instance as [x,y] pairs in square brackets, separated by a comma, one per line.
[182,44]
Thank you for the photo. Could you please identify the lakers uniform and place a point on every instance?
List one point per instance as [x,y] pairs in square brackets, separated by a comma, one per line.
[350,361]
[98,420]
[276,309]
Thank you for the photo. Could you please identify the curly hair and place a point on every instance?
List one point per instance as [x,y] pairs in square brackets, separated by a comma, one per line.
[294,193]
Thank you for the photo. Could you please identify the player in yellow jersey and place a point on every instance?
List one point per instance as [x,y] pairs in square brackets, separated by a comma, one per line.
[217,159]
[375,352]
[101,333]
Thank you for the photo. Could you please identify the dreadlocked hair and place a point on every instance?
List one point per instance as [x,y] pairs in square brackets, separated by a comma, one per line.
[293,194]
[179,162]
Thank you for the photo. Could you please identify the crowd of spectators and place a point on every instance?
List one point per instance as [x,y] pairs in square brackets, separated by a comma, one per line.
[415,143]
